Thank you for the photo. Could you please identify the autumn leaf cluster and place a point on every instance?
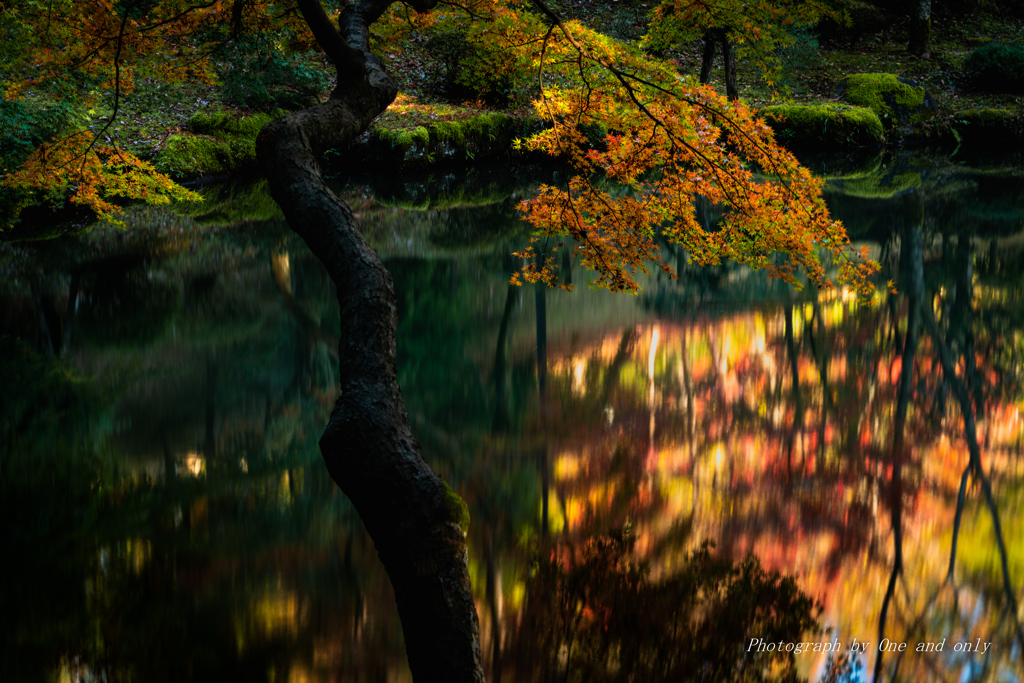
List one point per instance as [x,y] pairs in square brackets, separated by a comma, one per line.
[94,52]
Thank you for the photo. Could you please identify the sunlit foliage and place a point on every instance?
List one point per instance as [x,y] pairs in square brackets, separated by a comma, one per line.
[612,112]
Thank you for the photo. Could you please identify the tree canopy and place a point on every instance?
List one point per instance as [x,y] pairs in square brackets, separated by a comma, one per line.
[661,134]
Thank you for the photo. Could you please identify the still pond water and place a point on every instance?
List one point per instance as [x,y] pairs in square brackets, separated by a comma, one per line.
[167,516]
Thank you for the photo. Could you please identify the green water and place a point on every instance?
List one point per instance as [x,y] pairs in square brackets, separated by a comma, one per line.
[167,516]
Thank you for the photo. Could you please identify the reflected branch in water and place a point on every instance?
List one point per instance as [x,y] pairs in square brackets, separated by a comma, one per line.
[611,378]
[971,435]
[961,495]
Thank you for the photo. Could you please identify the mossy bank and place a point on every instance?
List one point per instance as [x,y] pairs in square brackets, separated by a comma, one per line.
[829,125]
[216,144]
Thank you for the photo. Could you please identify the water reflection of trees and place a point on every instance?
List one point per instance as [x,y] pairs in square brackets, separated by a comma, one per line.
[593,613]
[165,512]
[834,440]
[725,407]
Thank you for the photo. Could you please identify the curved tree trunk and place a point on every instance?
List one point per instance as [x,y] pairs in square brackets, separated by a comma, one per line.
[414,519]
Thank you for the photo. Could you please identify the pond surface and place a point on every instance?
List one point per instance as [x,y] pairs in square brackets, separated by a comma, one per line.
[167,516]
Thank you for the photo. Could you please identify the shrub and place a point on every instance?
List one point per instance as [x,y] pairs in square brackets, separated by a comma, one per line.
[470,62]
[447,50]
[260,73]
[996,68]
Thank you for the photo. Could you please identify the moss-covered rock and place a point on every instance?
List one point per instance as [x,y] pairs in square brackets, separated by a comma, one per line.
[215,144]
[825,125]
[478,137]
[897,101]
[987,127]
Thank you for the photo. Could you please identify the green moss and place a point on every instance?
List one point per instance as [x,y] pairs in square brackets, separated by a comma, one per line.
[226,125]
[828,125]
[456,508]
[394,140]
[190,156]
[895,100]
[986,117]
[450,131]
[216,143]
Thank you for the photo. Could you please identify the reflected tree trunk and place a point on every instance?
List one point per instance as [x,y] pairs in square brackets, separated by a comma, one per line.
[687,382]
[798,407]
[611,376]
[209,442]
[820,350]
[912,272]
[494,602]
[45,338]
[501,407]
[280,269]
[69,314]
[542,380]
[793,361]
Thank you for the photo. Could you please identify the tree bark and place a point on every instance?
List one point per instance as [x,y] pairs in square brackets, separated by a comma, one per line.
[711,37]
[729,57]
[708,62]
[415,520]
[920,42]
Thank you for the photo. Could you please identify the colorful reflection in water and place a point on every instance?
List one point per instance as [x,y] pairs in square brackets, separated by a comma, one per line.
[170,519]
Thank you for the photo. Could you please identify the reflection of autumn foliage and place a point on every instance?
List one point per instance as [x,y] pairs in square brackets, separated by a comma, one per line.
[772,433]
[597,616]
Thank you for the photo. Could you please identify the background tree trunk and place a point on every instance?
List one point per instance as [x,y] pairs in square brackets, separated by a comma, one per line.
[729,57]
[416,521]
[920,43]
[708,63]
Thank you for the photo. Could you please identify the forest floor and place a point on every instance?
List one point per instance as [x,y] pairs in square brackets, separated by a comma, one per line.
[813,66]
